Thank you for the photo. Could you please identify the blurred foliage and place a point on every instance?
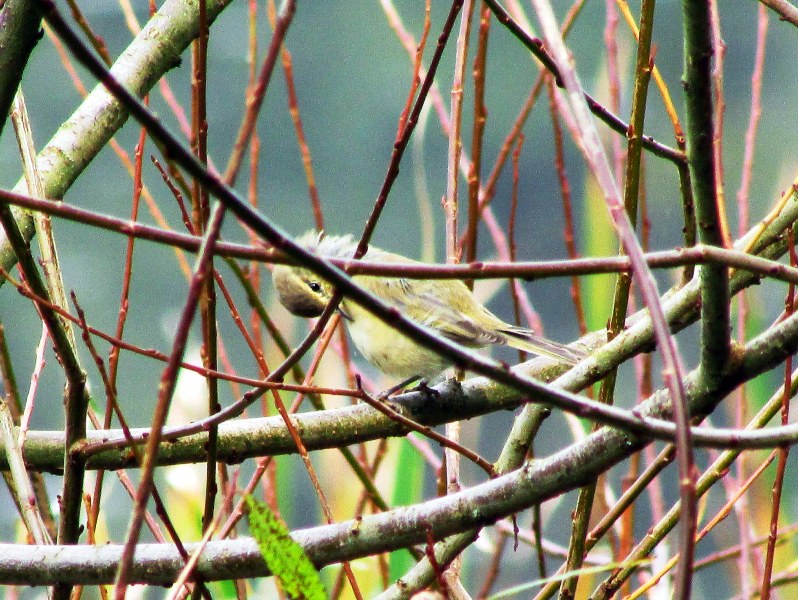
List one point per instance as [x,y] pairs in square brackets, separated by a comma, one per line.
[352,78]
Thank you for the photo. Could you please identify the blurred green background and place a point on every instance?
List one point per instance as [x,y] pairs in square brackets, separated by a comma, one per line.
[352,78]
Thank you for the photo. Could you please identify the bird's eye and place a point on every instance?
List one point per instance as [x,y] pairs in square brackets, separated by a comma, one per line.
[314,286]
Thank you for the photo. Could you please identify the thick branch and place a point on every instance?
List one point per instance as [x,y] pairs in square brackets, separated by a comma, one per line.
[19,32]
[480,505]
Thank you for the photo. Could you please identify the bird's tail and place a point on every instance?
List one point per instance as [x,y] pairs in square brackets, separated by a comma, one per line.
[526,340]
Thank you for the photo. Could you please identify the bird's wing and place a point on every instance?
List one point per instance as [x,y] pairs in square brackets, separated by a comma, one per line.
[433,311]
[432,304]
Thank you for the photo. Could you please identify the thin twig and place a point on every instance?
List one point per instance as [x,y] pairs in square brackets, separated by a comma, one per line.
[536,47]
[785,9]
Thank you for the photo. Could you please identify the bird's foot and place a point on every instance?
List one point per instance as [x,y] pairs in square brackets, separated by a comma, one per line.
[424,388]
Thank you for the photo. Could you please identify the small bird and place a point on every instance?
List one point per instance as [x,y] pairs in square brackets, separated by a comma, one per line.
[446,306]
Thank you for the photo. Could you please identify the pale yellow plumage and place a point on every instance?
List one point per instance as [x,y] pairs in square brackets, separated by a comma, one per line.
[445,306]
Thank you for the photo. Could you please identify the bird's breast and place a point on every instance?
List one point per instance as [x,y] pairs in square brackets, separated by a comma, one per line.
[390,351]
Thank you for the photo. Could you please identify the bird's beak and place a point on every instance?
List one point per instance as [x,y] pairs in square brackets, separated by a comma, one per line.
[343,313]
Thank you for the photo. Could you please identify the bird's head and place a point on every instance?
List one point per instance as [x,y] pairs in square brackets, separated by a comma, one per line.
[301,291]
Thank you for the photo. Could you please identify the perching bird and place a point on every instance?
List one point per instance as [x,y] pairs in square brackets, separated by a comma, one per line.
[446,306]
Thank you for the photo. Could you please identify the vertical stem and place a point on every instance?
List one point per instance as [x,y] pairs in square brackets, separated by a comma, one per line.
[480,116]
[567,204]
[450,206]
[720,112]
[201,210]
[783,451]
[715,322]
[623,283]
[741,508]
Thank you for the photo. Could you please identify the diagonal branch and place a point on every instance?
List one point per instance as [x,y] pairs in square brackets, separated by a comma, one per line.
[152,53]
